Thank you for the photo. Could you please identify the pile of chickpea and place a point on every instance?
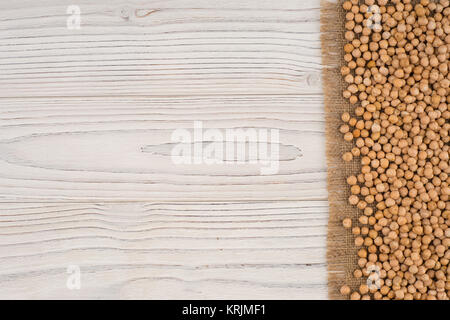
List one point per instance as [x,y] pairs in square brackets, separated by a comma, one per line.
[396,74]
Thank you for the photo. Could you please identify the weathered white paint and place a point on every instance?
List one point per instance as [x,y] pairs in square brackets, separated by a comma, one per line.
[85,171]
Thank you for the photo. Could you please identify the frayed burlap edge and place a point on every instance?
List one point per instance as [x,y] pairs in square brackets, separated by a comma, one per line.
[341,252]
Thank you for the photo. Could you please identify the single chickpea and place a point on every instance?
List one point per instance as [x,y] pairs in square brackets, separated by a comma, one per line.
[345,290]
[347,223]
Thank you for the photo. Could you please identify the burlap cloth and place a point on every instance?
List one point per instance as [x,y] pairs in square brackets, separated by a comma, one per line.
[341,251]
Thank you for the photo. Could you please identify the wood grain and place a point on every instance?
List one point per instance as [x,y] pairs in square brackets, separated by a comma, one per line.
[119,149]
[183,47]
[165,250]
[86,177]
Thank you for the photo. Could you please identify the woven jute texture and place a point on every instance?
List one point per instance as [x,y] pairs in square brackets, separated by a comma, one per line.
[341,252]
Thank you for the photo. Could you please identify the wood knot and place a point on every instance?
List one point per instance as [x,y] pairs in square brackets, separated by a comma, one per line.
[142,13]
[125,12]
[313,79]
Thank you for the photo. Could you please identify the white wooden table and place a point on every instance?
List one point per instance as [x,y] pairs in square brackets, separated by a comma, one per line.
[86,178]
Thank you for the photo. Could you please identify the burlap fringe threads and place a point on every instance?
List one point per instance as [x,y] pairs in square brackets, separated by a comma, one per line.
[341,252]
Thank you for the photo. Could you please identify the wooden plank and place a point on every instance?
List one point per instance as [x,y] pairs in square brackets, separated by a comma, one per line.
[182,47]
[164,250]
[120,149]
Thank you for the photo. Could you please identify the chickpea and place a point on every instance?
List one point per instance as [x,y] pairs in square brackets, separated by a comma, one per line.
[347,223]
